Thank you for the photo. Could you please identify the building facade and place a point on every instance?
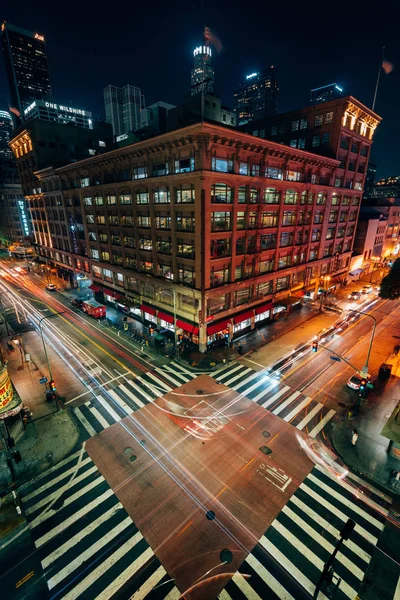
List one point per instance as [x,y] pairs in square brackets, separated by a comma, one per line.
[6,128]
[202,75]
[15,221]
[26,65]
[59,113]
[326,93]
[123,107]
[257,97]
[203,229]
[384,189]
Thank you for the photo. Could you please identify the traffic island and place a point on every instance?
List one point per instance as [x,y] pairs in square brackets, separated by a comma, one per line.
[202,472]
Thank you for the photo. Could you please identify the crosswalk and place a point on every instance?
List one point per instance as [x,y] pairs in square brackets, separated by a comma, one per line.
[295,548]
[292,406]
[113,404]
[88,545]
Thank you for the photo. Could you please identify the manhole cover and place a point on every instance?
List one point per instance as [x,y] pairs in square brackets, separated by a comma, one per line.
[226,556]
[128,450]
[210,514]
[132,458]
[199,392]
[266,450]
[266,434]
[143,442]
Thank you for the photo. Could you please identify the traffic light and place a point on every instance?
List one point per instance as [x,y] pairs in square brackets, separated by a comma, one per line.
[52,385]
[315,346]
[363,383]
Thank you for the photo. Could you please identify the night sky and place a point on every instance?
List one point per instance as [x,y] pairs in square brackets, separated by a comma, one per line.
[149,44]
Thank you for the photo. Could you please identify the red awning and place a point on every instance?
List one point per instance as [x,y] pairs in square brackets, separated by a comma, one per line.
[215,327]
[118,296]
[148,309]
[187,326]
[109,292]
[165,317]
[243,316]
[263,308]
[95,288]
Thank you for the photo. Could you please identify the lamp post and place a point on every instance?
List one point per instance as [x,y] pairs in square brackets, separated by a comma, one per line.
[44,345]
[364,371]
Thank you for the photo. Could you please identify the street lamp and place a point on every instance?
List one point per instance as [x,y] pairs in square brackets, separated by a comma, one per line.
[44,345]
[364,370]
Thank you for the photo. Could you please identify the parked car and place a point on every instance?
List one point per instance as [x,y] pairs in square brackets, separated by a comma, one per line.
[366,289]
[51,287]
[385,371]
[354,295]
[76,302]
[355,381]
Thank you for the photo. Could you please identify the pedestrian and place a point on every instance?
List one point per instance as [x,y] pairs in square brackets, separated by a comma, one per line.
[354,437]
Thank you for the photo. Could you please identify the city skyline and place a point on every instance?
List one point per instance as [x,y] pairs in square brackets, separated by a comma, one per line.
[160,63]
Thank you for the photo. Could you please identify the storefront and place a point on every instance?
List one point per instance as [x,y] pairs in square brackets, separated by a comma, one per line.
[286,305]
[217,333]
[189,331]
[149,313]
[263,313]
[242,323]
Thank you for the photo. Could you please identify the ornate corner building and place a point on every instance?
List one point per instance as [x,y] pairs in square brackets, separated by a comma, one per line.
[200,229]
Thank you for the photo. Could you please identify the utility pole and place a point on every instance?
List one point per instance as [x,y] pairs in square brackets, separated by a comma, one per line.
[44,345]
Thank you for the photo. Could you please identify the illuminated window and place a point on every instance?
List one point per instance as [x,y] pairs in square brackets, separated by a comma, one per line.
[295,125]
[303,124]
[243,168]
[140,173]
[94,253]
[318,120]
[223,165]
[301,143]
[184,165]
[274,130]
[185,194]
[221,193]
[329,117]
[316,140]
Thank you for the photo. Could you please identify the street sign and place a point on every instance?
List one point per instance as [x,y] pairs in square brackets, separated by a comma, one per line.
[43,380]
[336,358]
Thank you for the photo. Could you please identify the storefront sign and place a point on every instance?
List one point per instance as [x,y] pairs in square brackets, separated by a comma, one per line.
[6,390]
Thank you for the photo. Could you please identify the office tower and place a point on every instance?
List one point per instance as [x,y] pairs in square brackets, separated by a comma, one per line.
[326,93]
[123,106]
[59,113]
[202,74]
[256,97]
[6,127]
[26,66]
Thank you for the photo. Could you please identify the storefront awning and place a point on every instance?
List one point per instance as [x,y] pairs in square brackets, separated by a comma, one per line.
[288,301]
[356,272]
[187,326]
[165,317]
[148,309]
[263,308]
[95,288]
[109,292]
[215,327]
[248,314]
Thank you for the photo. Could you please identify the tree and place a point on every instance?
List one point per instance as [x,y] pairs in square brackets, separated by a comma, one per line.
[390,286]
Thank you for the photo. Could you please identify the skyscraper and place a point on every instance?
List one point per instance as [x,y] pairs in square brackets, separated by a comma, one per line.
[26,66]
[123,106]
[6,127]
[257,97]
[326,93]
[202,74]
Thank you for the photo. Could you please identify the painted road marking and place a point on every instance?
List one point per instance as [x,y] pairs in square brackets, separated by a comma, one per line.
[322,423]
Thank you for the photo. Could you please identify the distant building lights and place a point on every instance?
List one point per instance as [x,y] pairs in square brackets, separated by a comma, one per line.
[251,75]
[202,50]
[339,88]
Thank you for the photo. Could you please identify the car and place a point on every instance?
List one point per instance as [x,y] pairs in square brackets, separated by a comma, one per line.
[354,295]
[92,368]
[76,302]
[51,287]
[366,289]
[377,288]
[355,380]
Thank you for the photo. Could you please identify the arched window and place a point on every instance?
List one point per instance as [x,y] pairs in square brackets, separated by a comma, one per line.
[221,193]
[271,196]
[307,197]
[321,198]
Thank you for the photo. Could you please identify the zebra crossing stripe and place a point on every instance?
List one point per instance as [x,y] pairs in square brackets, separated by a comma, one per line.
[149,584]
[298,409]
[97,414]
[317,537]
[345,501]
[290,567]
[322,423]
[87,554]
[134,399]
[174,594]
[286,403]
[224,596]
[252,387]
[182,368]
[350,489]
[52,482]
[108,408]
[123,577]
[355,548]
[309,554]
[73,541]
[46,515]
[228,373]
[94,574]
[266,576]
[127,409]
[176,382]
[170,369]
[338,513]
[237,376]
[276,396]
[160,383]
[264,392]
[46,473]
[141,391]
[245,587]
[72,519]
[60,490]
[91,431]
[310,416]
